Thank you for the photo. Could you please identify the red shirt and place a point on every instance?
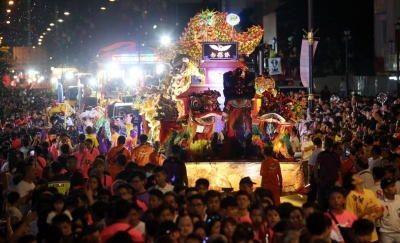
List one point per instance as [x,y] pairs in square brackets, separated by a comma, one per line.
[40,164]
[109,231]
[270,169]
[16,144]
[84,161]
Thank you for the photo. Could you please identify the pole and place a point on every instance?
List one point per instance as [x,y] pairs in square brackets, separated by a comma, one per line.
[310,37]
[397,61]
[347,64]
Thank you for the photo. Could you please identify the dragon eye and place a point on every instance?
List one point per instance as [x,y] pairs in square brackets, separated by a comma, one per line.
[195,103]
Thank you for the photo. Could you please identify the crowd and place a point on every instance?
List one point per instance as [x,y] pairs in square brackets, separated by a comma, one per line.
[57,188]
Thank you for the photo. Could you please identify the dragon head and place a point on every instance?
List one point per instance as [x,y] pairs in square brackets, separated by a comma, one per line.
[204,107]
[166,110]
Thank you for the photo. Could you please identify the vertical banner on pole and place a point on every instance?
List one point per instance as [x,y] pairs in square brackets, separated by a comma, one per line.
[304,62]
[274,65]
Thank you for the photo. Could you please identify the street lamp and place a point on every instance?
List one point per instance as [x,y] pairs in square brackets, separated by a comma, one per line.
[397,56]
[347,37]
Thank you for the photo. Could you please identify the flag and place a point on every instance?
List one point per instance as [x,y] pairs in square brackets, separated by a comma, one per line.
[304,61]
[274,65]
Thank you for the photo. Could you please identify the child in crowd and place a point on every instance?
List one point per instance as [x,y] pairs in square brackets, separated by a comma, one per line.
[13,212]
[160,175]
[58,207]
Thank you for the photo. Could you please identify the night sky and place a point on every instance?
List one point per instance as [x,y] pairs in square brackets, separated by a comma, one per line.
[88,28]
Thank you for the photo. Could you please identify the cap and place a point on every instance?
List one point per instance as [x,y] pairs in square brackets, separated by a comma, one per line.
[387,182]
[246,180]
[168,227]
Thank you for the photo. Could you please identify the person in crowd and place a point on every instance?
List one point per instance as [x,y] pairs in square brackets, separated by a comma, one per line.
[138,181]
[271,174]
[229,207]
[339,216]
[141,153]
[378,173]
[122,212]
[361,167]
[243,199]
[93,151]
[363,230]
[13,212]
[114,136]
[312,194]
[329,165]
[99,171]
[175,167]
[84,158]
[90,135]
[197,206]
[160,175]
[25,187]
[156,157]
[113,154]
[246,184]
[360,201]
[202,186]
[389,223]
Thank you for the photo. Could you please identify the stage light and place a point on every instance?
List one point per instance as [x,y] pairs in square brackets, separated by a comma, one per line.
[136,72]
[40,43]
[93,82]
[155,26]
[40,39]
[8,10]
[60,20]
[44,33]
[69,75]
[113,70]
[103,8]
[10,2]
[54,80]
[41,36]
[112,0]
[66,13]
[8,22]
[165,40]
[48,29]
[160,68]
[51,24]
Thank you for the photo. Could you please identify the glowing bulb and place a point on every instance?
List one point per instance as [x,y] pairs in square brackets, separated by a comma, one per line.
[155,26]
[103,8]
[66,13]
[8,22]
[10,2]
[48,29]
[51,24]
[8,10]
[60,20]
[41,36]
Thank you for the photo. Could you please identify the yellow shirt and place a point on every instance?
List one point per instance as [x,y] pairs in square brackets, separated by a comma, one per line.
[94,139]
[358,202]
[114,139]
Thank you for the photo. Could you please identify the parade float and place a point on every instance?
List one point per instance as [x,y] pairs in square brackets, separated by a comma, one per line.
[218,111]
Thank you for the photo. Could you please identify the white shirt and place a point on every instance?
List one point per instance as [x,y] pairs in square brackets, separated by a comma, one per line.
[390,221]
[52,214]
[374,163]
[23,189]
[376,188]
[306,155]
[314,155]
[141,227]
[167,188]
[367,177]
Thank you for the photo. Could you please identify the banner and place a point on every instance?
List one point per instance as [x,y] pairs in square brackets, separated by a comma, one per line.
[274,65]
[304,61]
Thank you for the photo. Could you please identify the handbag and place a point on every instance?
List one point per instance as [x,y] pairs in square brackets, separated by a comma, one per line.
[346,233]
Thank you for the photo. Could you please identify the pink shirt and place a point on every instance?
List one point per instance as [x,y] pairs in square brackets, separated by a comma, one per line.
[245,219]
[109,231]
[53,150]
[84,162]
[345,219]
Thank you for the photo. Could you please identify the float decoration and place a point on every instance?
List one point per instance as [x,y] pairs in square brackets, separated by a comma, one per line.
[200,122]
[167,114]
[210,26]
[238,91]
